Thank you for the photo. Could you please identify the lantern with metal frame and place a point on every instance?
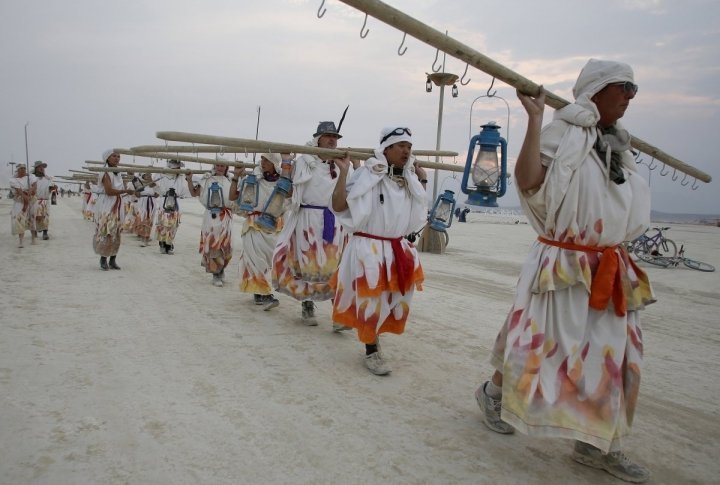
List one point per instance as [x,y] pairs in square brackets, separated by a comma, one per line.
[488,175]
[215,199]
[441,215]
[137,184]
[248,198]
[170,201]
[275,205]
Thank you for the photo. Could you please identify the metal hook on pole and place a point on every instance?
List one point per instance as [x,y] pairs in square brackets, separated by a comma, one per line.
[683,180]
[674,175]
[491,86]
[401,50]
[465,83]
[652,165]
[662,169]
[695,185]
[437,54]
[321,11]
[364,28]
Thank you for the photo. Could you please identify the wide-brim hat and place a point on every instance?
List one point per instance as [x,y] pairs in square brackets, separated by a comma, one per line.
[39,163]
[275,158]
[327,128]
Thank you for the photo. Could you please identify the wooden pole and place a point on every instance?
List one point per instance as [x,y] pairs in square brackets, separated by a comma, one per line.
[228,149]
[269,146]
[147,170]
[183,158]
[452,47]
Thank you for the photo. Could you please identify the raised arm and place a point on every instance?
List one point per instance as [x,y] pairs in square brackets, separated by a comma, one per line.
[529,171]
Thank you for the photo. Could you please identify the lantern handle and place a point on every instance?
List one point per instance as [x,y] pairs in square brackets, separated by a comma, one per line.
[401,50]
[492,83]
[321,11]
[437,54]
[465,83]
[364,28]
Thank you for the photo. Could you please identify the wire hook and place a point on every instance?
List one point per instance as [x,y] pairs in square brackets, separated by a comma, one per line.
[464,83]
[437,53]
[695,185]
[683,180]
[674,175]
[364,27]
[652,165]
[663,168]
[319,12]
[491,86]
[402,51]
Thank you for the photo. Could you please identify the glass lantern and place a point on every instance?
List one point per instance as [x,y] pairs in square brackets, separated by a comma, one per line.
[275,205]
[170,201]
[215,199]
[248,198]
[441,214]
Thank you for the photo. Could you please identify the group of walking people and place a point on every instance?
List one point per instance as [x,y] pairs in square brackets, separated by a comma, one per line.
[31,203]
[568,356]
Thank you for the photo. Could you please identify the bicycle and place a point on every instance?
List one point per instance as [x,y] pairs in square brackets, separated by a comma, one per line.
[690,263]
[654,249]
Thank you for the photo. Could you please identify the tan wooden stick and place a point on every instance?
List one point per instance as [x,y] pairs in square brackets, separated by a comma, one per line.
[168,156]
[146,170]
[452,47]
[235,149]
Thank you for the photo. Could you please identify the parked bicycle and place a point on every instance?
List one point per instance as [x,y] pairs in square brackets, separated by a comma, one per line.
[650,248]
[674,262]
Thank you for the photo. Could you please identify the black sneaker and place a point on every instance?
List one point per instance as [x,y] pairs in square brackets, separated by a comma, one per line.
[308,313]
[259,300]
[270,302]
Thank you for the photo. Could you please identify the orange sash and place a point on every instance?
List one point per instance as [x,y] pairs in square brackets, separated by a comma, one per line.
[607,282]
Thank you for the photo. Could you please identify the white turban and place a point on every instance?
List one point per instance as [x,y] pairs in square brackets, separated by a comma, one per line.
[393,138]
[275,158]
[597,74]
[106,154]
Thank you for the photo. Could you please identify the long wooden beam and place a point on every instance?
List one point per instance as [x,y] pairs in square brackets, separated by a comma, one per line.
[235,149]
[458,50]
[147,170]
[269,146]
[168,156]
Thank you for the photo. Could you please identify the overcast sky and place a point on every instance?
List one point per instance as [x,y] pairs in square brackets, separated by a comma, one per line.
[91,75]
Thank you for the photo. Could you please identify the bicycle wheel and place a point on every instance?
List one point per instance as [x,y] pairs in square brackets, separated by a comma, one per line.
[698,265]
[667,248]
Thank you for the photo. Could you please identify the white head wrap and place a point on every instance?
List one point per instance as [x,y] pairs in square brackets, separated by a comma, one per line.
[392,139]
[106,154]
[592,79]
[275,158]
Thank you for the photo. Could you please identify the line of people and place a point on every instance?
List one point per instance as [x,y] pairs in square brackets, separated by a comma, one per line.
[568,357]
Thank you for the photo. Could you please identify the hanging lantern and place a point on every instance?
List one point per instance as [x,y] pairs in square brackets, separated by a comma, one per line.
[215,199]
[488,175]
[170,201]
[137,184]
[248,198]
[428,85]
[441,214]
[275,205]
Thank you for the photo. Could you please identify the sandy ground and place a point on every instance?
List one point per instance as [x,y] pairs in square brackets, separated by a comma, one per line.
[150,375]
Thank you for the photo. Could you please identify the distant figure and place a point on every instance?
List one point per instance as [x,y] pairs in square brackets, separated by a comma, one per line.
[44,195]
[169,186]
[109,213]
[216,231]
[23,189]
[568,357]
[462,217]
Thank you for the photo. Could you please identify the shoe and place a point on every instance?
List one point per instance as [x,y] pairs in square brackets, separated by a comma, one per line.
[169,249]
[222,271]
[217,281]
[45,236]
[113,264]
[491,412]
[337,328]
[270,302]
[163,248]
[259,300]
[144,244]
[103,264]
[376,364]
[308,314]
[615,463]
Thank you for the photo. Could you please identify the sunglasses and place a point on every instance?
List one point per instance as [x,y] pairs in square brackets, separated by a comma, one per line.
[628,87]
[396,132]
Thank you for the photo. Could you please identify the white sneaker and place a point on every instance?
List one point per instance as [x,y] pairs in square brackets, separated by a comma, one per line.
[217,281]
[376,364]
[616,463]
